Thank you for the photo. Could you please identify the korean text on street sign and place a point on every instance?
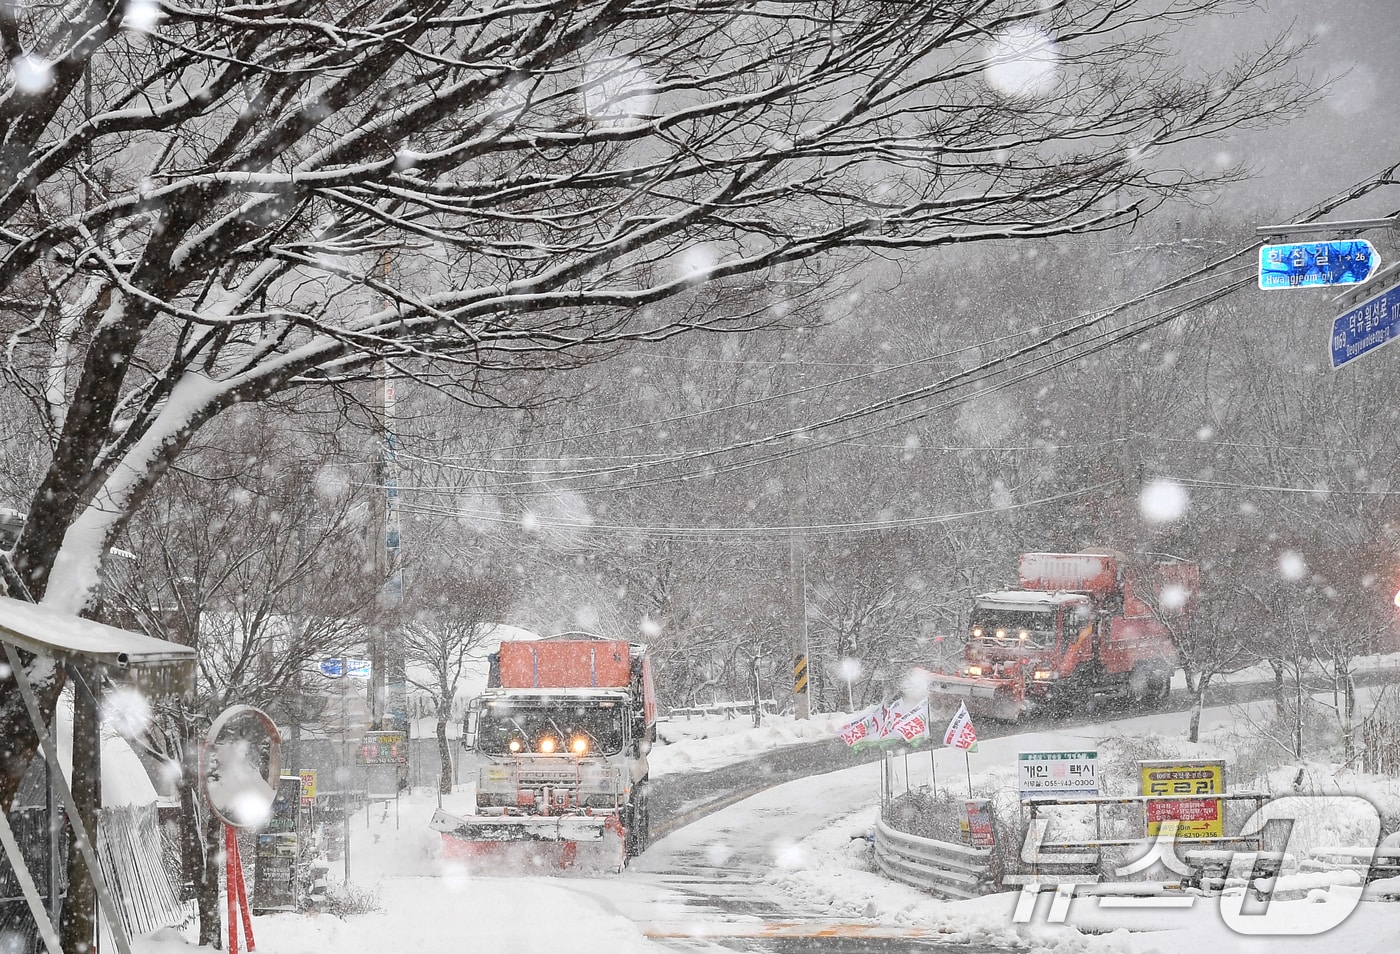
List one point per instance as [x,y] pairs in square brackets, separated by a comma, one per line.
[335,666]
[1366,327]
[1317,264]
[308,786]
[383,748]
[1051,774]
[1197,818]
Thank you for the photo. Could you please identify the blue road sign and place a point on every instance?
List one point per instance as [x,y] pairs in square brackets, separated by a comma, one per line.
[334,667]
[1366,327]
[1317,264]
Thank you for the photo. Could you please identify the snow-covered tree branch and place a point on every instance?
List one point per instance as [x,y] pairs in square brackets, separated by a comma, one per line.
[206,203]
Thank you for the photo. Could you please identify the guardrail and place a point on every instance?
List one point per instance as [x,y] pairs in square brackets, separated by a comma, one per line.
[729,709]
[945,869]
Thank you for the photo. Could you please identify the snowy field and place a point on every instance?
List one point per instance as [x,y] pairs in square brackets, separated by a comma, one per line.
[795,850]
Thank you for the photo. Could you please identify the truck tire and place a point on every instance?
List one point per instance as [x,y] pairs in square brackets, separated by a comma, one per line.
[636,821]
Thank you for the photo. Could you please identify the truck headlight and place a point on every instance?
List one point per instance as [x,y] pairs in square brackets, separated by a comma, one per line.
[579,745]
[547,745]
[1043,675]
[974,670]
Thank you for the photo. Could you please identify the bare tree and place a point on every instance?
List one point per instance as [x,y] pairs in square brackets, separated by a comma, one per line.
[256,558]
[454,606]
[202,207]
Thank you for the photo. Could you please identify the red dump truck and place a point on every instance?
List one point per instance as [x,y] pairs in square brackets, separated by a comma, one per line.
[559,745]
[1082,630]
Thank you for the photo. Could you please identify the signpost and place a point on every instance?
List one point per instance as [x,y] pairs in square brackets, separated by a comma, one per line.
[335,667]
[1057,774]
[1196,818]
[1317,264]
[383,748]
[976,823]
[1366,326]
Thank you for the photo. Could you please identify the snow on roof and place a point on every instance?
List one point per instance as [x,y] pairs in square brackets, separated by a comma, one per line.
[158,667]
[49,632]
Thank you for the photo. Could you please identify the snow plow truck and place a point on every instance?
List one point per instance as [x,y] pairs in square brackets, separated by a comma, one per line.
[559,744]
[1082,631]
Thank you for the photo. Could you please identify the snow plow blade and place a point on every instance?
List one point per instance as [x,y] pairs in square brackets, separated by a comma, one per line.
[531,843]
[1002,700]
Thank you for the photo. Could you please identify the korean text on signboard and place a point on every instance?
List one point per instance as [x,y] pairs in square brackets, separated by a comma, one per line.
[1051,774]
[383,748]
[976,823]
[1197,818]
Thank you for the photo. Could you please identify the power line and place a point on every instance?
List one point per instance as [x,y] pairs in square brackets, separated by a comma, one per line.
[776,533]
[1021,364]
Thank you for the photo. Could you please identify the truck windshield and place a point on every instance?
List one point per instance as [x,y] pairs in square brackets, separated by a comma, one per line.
[1018,626]
[564,729]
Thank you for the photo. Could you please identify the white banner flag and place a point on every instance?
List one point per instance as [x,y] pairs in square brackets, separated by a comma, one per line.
[893,714]
[914,725]
[861,727]
[961,734]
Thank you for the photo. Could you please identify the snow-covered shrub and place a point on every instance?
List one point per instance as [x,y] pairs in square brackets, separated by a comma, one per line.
[346,900]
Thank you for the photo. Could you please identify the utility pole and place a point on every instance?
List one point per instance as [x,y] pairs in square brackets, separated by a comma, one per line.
[389,696]
[797,564]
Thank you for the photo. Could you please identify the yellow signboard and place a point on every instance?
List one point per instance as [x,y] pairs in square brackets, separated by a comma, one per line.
[308,787]
[1195,817]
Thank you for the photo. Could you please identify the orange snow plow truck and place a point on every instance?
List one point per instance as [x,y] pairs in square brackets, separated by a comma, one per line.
[1083,630]
[559,744]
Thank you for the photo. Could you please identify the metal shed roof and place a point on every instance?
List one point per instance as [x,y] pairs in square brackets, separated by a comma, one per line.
[156,665]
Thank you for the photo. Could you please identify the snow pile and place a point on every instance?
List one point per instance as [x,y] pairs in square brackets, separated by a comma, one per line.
[710,742]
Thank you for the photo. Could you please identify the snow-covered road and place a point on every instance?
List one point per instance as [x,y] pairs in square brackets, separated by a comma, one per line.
[778,871]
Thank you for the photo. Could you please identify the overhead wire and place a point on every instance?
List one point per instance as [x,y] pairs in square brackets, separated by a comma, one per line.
[1026,363]
[802,443]
[575,526]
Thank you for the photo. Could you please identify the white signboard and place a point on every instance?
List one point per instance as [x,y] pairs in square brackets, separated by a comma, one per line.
[1051,774]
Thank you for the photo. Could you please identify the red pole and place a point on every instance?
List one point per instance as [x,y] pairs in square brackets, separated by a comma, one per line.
[230,860]
[243,897]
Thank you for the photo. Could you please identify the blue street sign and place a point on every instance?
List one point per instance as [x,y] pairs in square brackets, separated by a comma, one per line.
[334,667]
[1317,264]
[1366,327]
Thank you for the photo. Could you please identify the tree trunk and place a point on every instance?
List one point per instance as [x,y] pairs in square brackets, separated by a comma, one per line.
[208,884]
[445,754]
[1298,713]
[1191,676]
[195,851]
[1279,703]
[1202,682]
[1347,709]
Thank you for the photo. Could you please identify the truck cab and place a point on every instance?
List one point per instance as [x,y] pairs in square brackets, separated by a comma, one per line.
[558,747]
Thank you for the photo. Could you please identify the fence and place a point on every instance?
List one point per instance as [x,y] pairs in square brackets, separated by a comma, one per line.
[1081,860]
[945,869]
[727,709]
[131,855]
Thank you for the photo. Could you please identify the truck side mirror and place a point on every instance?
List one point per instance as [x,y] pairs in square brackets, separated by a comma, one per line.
[469,728]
